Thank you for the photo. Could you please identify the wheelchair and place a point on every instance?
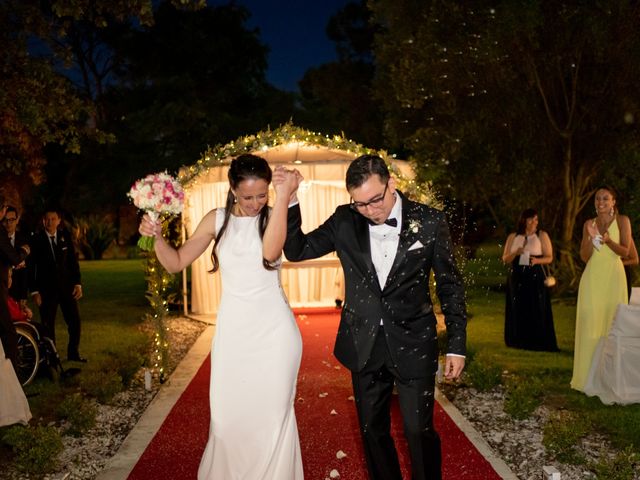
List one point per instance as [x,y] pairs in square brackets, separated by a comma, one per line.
[35,351]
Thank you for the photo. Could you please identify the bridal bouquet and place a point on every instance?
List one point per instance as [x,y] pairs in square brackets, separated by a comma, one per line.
[156,194]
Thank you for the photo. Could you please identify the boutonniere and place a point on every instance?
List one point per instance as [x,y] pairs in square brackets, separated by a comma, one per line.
[414,226]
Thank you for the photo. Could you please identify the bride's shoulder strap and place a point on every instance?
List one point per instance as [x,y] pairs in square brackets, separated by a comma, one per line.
[220,212]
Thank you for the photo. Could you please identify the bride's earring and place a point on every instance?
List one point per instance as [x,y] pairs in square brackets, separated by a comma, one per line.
[611,212]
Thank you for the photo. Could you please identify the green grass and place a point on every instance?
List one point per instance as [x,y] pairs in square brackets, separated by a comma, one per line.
[111,312]
[114,304]
[485,277]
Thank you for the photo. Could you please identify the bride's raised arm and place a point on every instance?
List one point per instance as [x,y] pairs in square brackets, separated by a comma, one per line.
[285,183]
[177,260]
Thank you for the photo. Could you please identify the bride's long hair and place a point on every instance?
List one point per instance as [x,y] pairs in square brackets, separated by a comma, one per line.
[243,167]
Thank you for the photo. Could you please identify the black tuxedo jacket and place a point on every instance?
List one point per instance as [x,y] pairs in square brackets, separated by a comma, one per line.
[47,274]
[404,303]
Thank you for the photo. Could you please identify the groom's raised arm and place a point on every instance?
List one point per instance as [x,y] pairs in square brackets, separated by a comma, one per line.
[300,246]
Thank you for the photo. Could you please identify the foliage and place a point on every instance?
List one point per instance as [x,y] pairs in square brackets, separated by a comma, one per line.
[523,396]
[37,105]
[36,448]
[288,133]
[95,235]
[620,467]
[55,65]
[79,412]
[100,383]
[126,361]
[512,104]
[561,435]
[169,100]
[483,372]
[337,96]
[159,294]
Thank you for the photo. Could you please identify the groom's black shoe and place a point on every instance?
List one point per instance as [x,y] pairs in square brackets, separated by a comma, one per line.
[77,358]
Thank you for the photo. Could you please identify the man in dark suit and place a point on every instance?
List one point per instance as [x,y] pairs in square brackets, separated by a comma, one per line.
[54,279]
[19,285]
[9,257]
[388,246]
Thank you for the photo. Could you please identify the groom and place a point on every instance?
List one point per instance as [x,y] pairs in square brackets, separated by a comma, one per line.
[388,246]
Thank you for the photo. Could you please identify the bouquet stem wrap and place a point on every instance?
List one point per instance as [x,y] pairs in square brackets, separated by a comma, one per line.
[146,243]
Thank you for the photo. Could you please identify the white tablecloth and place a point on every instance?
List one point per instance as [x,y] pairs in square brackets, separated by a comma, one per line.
[615,370]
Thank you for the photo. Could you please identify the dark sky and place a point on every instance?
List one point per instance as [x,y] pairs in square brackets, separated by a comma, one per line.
[295,33]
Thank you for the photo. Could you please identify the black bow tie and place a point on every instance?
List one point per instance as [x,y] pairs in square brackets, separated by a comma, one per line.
[392,222]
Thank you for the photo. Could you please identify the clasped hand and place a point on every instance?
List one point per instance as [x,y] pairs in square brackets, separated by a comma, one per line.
[286,182]
[597,239]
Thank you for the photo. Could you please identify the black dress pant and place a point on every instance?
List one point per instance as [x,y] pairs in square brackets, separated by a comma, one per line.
[70,313]
[373,388]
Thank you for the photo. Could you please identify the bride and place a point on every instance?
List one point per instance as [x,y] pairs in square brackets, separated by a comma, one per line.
[14,407]
[257,346]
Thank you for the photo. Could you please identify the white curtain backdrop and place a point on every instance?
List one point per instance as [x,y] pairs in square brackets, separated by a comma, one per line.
[312,283]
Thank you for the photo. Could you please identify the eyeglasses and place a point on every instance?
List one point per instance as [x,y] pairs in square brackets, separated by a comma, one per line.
[374,202]
[5,219]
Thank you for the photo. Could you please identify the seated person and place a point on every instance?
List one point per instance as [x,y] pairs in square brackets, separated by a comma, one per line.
[19,312]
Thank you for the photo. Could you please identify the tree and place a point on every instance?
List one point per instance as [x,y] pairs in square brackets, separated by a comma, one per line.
[189,80]
[337,96]
[511,104]
[39,104]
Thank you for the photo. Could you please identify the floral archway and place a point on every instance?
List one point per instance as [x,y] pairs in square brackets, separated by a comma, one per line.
[323,161]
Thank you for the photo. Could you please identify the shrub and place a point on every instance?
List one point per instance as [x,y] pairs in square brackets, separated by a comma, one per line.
[561,435]
[126,363]
[620,467]
[36,448]
[483,373]
[79,412]
[101,384]
[523,397]
[95,234]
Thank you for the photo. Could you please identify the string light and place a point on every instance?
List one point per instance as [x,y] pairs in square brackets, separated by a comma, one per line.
[217,156]
[157,280]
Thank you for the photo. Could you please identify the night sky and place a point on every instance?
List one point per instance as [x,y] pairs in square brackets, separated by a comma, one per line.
[295,34]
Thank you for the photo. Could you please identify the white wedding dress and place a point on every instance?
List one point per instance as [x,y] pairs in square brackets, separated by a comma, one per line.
[14,407]
[254,364]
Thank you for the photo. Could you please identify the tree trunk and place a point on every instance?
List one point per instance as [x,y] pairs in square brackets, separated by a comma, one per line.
[566,263]
[574,185]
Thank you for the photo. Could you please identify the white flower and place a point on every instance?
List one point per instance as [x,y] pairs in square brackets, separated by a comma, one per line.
[414,226]
[158,193]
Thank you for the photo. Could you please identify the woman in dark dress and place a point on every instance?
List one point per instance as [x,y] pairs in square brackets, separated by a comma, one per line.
[528,317]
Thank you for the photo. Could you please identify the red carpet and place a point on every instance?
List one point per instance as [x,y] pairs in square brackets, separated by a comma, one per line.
[326,417]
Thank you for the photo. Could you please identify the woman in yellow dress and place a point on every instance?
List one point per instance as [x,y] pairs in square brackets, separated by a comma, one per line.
[605,241]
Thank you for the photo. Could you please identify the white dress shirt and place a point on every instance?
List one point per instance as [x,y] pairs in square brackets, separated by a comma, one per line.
[384,243]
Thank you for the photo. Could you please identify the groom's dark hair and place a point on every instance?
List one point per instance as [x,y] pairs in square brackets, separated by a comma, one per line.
[363,167]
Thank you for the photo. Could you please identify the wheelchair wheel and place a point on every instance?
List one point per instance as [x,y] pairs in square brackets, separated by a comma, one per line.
[49,357]
[28,356]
